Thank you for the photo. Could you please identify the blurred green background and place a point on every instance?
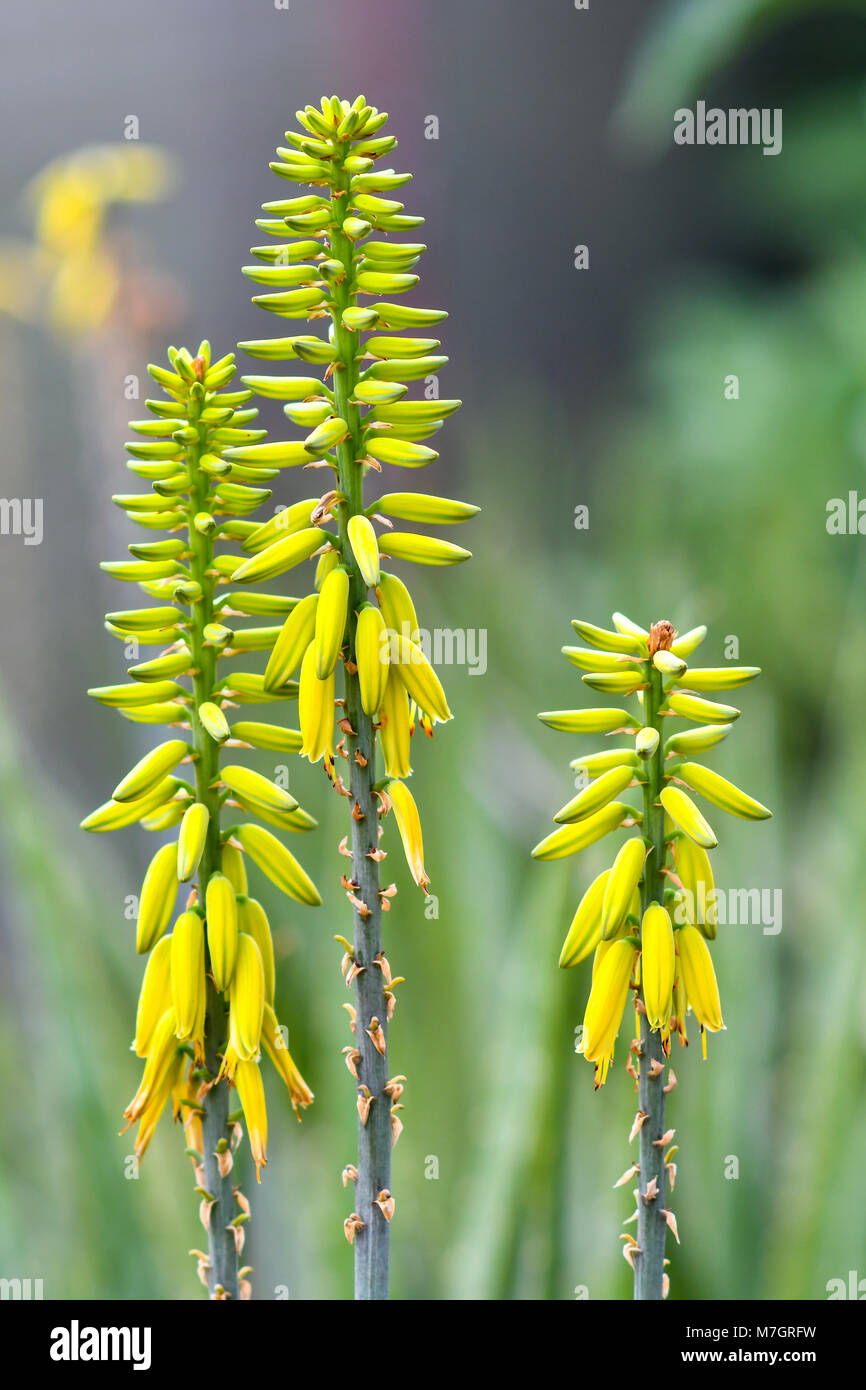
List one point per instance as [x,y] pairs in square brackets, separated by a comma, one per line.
[602,387]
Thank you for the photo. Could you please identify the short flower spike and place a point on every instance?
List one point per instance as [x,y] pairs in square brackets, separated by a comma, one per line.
[206,998]
[647,919]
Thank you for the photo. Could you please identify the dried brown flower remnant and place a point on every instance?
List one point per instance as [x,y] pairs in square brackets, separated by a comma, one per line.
[662,635]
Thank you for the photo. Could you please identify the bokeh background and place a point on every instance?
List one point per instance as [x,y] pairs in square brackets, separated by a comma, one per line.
[602,387]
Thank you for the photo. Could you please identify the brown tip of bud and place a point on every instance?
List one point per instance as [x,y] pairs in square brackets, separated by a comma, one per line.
[662,637]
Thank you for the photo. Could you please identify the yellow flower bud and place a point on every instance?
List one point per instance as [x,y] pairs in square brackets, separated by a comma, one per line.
[315,709]
[421,681]
[295,636]
[700,978]
[584,933]
[696,875]
[248,1079]
[234,869]
[247,998]
[607,999]
[158,895]
[409,825]
[596,795]
[222,929]
[394,733]
[624,878]
[657,966]
[187,975]
[191,839]
[253,920]
[155,1079]
[686,816]
[365,548]
[155,996]
[331,621]
[372,658]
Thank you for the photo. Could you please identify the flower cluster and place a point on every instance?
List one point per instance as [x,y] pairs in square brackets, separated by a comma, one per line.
[221,940]
[332,261]
[356,418]
[647,919]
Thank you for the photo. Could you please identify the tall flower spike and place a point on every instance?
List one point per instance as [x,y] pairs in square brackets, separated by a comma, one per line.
[201,499]
[641,932]
[351,400]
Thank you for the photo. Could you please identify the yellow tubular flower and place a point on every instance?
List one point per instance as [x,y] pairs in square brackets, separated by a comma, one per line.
[686,817]
[584,933]
[602,1067]
[396,606]
[696,875]
[680,1000]
[247,998]
[569,839]
[409,825]
[657,966]
[234,869]
[229,1062]
[160,1058]
[331,621]
[365,548]
[295,636]
[187,973]
[596,795]
[700,978]
[191,840]
[722,792]
[607,999]
[222,929]
[315,709]
[253,920]
[155,1105]
[624,878]
[150,770]
[421,681]
[248,1079]
[274,1044]
[155,996]
[395,730]
[372,657]
[276,862]
[158,895]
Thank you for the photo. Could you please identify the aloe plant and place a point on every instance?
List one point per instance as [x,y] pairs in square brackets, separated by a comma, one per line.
[646,920]
[330,263]
[206,1003]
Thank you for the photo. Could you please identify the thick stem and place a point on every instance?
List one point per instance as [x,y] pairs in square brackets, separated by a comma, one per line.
[651,1225]
[223,1259]
[371,1244]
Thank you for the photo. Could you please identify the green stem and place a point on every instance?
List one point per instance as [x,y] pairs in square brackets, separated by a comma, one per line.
[371,1244]
[651,1225]
[223,1260]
